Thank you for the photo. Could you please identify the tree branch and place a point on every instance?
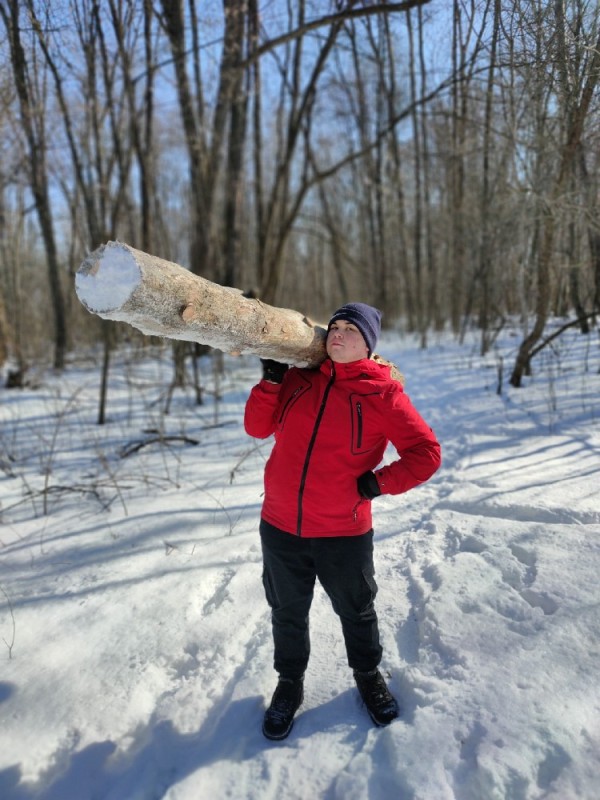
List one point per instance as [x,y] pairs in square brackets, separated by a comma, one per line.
[330,19]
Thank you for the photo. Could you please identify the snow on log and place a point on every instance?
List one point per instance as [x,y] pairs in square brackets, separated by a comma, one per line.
[160,298]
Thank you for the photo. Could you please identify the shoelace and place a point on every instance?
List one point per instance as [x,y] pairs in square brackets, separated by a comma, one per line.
[376,689]
[283,703]
[279,714]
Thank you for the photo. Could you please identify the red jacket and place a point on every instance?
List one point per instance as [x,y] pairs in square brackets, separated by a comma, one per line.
[331,424]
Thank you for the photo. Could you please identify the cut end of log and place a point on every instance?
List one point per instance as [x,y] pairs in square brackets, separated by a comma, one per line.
[107,278]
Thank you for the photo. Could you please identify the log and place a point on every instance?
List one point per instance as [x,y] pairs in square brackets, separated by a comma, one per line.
[160,298]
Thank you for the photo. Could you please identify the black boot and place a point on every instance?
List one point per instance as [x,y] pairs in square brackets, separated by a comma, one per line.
[382,707]
[279,717]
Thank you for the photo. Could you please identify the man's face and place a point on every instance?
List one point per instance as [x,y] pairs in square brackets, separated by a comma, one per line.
[345,343]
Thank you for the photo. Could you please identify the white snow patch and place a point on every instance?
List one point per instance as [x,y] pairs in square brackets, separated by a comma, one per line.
[135,643]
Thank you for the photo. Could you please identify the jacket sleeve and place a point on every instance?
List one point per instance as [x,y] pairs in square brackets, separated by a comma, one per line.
[417,446]
[260,411]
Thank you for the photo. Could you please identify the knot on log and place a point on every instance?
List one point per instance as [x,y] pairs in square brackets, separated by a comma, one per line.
[186,312]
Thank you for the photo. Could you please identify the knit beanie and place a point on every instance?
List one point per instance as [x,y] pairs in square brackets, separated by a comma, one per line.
[366,318]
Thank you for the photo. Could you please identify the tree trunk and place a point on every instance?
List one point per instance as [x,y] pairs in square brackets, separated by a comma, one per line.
[486,219]
[30,108]
[161,298]
[4,333]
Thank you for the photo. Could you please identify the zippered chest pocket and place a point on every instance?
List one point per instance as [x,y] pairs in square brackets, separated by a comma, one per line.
[289,402]
[364,438]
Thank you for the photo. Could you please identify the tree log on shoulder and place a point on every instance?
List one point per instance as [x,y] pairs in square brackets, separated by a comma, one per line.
[160,298]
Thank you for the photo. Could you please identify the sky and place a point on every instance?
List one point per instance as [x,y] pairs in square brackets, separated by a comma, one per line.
[135,643]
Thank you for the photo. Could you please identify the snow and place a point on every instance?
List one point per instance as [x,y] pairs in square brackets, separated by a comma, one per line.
[135,644]
[106,284]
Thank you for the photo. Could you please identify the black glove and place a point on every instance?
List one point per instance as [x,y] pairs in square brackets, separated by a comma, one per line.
[368,486]
[272,370]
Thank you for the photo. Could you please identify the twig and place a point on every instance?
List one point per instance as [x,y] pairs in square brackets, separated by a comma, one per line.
[134,447]
[240,461]
[32,494]
[14,625]
[104,461]
[47,467]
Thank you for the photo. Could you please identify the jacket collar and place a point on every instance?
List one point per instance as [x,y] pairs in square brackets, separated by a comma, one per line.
[363,368]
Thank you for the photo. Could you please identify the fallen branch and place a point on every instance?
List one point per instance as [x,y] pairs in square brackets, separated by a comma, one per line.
[560,330]
[134,447]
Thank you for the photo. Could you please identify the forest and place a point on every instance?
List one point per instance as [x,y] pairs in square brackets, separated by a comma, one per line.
[436,159]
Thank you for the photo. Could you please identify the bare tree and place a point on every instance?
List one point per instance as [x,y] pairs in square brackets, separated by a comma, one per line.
[297,151]
[31,104]
[5,333]
[578,101]
[418,201]
[204,137]
[140,117]
[323,150]
[486,259]
[456,262]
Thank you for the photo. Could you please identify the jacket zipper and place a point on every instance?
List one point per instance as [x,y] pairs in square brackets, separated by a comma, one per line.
[355,509]
[286,406]
[359,425]
[309,450]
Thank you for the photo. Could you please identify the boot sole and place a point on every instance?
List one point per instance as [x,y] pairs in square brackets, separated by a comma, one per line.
[277,737]
[380,723]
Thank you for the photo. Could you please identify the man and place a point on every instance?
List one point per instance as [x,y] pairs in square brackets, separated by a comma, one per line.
[331,427]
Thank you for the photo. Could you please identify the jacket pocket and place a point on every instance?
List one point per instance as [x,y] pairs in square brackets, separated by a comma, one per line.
[359,411]
[290,400]
[361,502]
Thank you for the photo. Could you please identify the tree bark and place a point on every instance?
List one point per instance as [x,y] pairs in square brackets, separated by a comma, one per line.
[160,298]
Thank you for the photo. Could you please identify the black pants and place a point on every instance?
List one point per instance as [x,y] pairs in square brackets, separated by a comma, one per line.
[344,567]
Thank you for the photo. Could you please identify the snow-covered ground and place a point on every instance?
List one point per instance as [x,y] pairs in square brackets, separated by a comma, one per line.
[135,649]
